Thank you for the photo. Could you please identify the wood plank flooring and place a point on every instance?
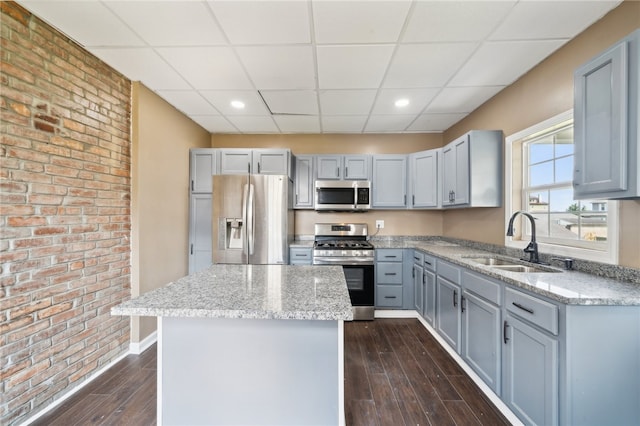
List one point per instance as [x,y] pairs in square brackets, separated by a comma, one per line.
[395,374]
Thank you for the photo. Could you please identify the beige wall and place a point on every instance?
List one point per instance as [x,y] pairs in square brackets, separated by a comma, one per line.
[162,137]
[396,222]
[544,92]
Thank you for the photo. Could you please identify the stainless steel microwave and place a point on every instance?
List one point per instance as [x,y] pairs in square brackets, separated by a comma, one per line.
[343,195]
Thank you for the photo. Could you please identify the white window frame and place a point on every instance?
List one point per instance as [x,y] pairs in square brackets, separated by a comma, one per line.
[608,256]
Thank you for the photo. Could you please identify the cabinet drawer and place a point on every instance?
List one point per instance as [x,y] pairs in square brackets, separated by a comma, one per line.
[483,287]
[449,271]
[300,256]
[389,296]
[389,255]
[537,311]
[418,257]
[429,262]
[388,273]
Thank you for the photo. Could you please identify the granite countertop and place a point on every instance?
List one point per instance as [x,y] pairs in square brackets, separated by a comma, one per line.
[249,291]
[302,244]
[569,287]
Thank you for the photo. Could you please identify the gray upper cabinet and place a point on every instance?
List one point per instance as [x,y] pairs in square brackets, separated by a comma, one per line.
[259,161]
[271,162]
[389,181]
[424,179]
[343,167]
[606,92]
[202,165]
[200,239]
[303,182]
[472,175]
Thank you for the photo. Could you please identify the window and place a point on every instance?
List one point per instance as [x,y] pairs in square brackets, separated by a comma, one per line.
[540,174]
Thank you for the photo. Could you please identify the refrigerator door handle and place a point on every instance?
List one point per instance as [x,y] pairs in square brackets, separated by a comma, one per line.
[250,220]
[245,197]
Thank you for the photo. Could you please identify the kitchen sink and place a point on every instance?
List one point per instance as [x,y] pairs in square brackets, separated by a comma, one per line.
[509,265]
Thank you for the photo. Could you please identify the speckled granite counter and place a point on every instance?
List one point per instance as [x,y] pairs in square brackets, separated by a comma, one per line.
[302,243]
[569,287]
[249,291]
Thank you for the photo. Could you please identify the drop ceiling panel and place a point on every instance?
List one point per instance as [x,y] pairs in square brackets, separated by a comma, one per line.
[343,123]
[501,63]
[264,22]
[427,65]
[532,20]
[388,123]
[221,100]
[188,101]
[162,23]
[279,67]
[214,123]
[298,123]
[352,67]
[435,122]
[462,99]
[253,124]
[418,99]
[359,22]
[142,64]
[90,23]
[347,102]
[207,67]
[328,58]
[446,21]
[291,101]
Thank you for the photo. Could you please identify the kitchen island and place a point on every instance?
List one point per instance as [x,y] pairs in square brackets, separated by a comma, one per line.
[250,344]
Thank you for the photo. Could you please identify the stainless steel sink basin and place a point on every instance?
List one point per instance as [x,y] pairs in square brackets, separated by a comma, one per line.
[508,265]
[522,268]
[491,261]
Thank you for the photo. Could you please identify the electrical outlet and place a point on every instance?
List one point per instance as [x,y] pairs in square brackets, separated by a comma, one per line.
[379,224]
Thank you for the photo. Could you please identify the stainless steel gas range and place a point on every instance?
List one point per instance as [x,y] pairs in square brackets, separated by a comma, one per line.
[346,244]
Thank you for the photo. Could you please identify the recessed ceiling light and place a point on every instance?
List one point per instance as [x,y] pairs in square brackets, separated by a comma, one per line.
[237,104]
[402,103]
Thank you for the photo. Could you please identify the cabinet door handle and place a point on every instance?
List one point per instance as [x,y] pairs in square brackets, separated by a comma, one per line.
[192,185]
[524,308]
[504,332]
[389,297]
[428,263]
[405,200]
[455,298]
[462,300]
[191,249]
[390,256]
[337,172]
[413,200]
[346,172]
[258,167]
[390,273]
[301,255]
[413,273]
[424,278]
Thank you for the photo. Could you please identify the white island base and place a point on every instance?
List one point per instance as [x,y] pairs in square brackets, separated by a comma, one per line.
[220,371]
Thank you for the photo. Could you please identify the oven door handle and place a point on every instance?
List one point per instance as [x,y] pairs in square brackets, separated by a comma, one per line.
[337,261]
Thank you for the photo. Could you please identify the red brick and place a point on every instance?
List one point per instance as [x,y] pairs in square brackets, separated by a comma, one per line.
[27,374]
[54,310]
[27,309]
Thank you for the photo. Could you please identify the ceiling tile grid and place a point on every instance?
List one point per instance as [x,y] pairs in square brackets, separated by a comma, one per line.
[322,66]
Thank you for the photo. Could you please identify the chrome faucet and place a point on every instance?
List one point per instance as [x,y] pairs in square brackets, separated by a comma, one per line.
[532,248]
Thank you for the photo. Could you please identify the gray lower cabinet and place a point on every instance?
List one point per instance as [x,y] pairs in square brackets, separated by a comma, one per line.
[448,312]
[200,246]
[389,282]
[417,273]
[530,373]
[300,255]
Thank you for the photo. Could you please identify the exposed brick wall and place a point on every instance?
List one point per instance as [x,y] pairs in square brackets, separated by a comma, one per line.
[65,218]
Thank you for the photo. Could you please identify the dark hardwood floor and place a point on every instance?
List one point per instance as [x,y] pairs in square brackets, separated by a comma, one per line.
[395,374]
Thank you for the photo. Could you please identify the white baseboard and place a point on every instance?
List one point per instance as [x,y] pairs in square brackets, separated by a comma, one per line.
[73,391]
[138,348]
[495,399]
[391,313]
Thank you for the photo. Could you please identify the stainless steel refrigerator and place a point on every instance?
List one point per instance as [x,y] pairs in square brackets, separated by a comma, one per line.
[252,219]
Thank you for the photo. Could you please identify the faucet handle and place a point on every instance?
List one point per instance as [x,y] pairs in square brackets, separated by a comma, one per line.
[568,262]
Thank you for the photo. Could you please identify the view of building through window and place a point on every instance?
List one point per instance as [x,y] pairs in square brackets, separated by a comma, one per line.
[548,193]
